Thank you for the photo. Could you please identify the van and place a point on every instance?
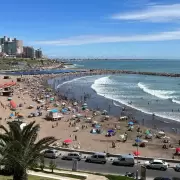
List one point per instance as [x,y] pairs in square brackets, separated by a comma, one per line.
[97,158]
[124,160]
[71,156]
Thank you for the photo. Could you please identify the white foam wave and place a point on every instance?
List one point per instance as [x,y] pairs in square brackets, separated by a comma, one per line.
[175,101]
[97,87]
[70,81]
[162,94]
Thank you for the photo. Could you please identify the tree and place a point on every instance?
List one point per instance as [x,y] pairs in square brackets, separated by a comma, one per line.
[20,149]
[52,165]
[42,163]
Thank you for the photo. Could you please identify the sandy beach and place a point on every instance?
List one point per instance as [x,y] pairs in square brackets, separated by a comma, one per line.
[78,129]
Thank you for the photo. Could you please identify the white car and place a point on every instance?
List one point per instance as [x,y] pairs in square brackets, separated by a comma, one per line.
[71,156]
[156,164]
[51,153]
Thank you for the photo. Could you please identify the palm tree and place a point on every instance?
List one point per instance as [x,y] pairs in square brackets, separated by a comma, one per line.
[20,149]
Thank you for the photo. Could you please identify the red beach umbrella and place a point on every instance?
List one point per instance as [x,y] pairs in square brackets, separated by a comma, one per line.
[136,153]
[13,104]
[68,141]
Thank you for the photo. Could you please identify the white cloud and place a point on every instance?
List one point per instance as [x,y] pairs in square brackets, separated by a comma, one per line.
[153,13]
[81,40]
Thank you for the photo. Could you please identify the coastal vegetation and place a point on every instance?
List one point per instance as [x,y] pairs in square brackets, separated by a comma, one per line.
[20,149]
[24,63]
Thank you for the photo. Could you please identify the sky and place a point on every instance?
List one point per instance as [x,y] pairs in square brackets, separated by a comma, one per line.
[95,28]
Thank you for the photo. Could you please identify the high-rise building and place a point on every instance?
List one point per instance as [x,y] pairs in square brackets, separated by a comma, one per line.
[38,53]
[11,46]
[28,52]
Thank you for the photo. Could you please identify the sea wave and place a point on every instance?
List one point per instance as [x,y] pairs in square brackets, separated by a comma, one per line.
[97,87]
[100,89]
[72,80]
[176,101]
[162,94]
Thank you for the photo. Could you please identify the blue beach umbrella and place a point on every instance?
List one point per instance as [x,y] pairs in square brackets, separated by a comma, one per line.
[110,131]
[137,140]
[130,123]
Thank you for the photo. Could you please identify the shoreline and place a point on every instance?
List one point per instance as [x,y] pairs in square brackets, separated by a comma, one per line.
[143,118]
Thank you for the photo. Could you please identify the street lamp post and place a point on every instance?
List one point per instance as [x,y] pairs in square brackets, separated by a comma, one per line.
[137,149]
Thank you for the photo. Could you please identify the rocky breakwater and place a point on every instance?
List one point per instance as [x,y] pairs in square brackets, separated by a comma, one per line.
[104,71]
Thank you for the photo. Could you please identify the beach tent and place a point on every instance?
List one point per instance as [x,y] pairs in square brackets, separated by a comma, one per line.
[13,105]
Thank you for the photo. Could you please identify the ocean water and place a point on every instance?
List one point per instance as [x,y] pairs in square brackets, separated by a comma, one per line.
[171,66]
[149,94]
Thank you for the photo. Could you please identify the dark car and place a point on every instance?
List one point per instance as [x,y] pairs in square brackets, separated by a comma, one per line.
[162,178]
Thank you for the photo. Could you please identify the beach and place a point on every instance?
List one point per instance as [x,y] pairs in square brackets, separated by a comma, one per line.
[78,129]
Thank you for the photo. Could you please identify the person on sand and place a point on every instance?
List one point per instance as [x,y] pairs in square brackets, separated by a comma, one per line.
[75,137]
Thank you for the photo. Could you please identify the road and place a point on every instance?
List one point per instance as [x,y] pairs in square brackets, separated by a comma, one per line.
[108,168]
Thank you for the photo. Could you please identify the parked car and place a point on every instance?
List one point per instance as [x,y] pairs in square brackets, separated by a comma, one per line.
[177,167]
[97,158]
[51,153]
[162,178]
[71,156]
[156,164]
[124,160]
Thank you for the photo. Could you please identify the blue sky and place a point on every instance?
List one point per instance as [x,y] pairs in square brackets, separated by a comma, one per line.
[95,28]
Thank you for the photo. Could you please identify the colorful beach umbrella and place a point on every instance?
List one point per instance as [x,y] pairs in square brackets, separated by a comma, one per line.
[68,141]
[136,153]
[110,131]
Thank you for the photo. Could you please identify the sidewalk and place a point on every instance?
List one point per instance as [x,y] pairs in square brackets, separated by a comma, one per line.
[59,177]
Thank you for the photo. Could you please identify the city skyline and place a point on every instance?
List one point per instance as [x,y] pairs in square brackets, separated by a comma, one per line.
[13,47]
[103,28]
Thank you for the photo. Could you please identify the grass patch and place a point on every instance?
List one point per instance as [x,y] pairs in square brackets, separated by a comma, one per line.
[113,177]
[62,174]
[29,178]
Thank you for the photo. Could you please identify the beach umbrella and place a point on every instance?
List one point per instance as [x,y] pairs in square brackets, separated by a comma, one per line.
[68,141]
[110,131]
[11,115]
[78,115]
[13,104]
[97,126]
[147,132]
[104,112]
[136,153]
[130,123]
[137,140]
[85,104]
[83,108]
[9,98]
[144,141]
[75,103]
